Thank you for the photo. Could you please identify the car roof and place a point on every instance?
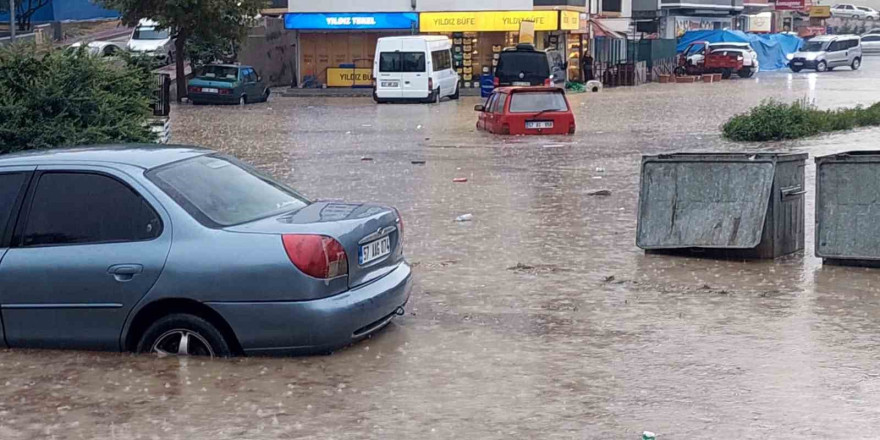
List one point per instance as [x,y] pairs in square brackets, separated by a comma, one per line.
[529,89]
[417,37]
[144,156]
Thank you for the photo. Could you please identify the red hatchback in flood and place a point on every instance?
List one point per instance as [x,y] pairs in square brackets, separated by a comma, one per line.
[526,110]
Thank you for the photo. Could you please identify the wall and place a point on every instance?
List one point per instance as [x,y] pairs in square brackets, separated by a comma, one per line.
[80,10]
[474,5]
[350,6]
[271,50]
[576,3]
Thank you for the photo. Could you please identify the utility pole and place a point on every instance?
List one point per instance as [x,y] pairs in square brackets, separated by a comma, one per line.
[12,19]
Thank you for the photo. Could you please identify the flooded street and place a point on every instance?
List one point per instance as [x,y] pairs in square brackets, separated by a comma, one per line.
[540,318]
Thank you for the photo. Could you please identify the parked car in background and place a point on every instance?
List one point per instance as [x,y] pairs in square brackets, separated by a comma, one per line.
[415,67]
[526,110]
[846,10]
[227,84]
[148,39]
[870,13]
[871,43]
[99,48]
[523,65]
[697,59]
[183,251]
[826,52]
[750,64]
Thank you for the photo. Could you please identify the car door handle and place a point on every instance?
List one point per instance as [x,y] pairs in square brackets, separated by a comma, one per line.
[125,272]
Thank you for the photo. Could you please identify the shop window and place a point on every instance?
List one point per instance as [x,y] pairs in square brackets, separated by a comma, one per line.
[611,5]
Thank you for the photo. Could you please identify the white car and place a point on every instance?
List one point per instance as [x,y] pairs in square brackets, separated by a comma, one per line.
[750,57]
[870,13]
[99,48]
[151,40]
[871,43]
[847,10]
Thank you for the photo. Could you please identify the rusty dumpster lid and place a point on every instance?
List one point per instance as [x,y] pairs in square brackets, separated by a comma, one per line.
[705,200]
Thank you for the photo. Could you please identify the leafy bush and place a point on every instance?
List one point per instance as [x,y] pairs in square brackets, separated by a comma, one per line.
[66,98]
[773,121]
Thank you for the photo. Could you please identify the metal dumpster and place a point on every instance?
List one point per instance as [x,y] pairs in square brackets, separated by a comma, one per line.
[848,208]
[733,205]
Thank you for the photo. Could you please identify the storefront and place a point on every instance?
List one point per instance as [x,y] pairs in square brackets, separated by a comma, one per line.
[337,49]
[478,37]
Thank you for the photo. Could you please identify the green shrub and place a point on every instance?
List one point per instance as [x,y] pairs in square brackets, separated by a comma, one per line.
[773,121]
[65,98]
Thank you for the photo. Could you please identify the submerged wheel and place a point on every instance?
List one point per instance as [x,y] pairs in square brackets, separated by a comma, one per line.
[679,71]
[183,335]
[795,69]
[242,100]
[821,66]
[726,73]
[455,95]
[745,72]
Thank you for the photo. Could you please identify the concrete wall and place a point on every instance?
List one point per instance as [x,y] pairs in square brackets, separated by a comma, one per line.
[350,6]
[271,50]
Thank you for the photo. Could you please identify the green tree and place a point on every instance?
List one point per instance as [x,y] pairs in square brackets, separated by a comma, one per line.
[200,20]
[60,98]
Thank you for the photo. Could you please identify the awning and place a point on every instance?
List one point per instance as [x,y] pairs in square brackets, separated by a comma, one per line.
[601,30]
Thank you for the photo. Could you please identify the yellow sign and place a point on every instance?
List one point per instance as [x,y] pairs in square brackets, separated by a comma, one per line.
[820,11]
[569,20]
[341,77]
[487,21]
[527,32]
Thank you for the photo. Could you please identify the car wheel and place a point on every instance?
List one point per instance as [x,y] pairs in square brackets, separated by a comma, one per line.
[436,98]
[679,71]
[266,94]
[821,66]
[242,100]
[795,69]
[726,73]
[183,335]
[856,64]
[745,72]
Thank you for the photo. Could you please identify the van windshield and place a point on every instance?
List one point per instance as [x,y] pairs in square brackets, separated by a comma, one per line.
[150,33]
[814,46]
[527,102]
[402,62]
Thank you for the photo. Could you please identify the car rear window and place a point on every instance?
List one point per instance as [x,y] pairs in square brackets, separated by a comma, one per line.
[219,191]
[402,62]
[511,64]
[218,73]
[527,102]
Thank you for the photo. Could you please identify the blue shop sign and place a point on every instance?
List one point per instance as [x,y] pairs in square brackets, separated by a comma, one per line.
[321,21]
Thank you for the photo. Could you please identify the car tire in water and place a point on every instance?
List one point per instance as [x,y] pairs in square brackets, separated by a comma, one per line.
[745,72]
[436,98]
[856,64]
[726,73]
[795,69]
[242,100]
[821,66]
[182,334]
[456,94]
[266,94]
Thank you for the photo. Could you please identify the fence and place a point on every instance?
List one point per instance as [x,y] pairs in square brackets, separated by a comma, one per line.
[619,62]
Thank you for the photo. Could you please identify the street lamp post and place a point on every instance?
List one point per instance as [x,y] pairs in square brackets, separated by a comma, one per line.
[12,19]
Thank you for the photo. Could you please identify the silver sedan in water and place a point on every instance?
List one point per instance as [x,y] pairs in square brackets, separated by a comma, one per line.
[185,251]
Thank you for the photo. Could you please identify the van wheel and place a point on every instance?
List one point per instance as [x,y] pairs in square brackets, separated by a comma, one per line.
[822,66]
[795,69]
[436,97]
[455,95]
[856,64]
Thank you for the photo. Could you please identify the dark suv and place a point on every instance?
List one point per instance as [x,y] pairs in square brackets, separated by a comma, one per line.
[523,65]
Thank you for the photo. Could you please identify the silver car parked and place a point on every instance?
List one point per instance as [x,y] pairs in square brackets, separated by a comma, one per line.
[827,52]
[185,251]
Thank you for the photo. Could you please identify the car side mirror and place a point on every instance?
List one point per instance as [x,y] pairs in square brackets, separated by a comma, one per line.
[259,78]
[479,108]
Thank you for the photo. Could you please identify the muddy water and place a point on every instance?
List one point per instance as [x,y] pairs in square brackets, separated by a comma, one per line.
[539,318]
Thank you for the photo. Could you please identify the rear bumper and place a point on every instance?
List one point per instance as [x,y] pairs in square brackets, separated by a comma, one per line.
[400,95]
[302,327]
[214,98]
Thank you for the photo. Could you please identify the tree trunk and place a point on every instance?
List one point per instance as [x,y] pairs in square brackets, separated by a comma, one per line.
[179,65]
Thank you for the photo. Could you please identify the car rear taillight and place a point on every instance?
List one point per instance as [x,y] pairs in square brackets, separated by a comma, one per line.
[195,89]
[224,91]
[430,85]
[505,128]
[548,82]
[318,256]
[571,128]
[399,228]
[496,82]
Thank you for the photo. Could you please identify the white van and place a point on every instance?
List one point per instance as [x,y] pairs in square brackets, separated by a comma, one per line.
[416,67]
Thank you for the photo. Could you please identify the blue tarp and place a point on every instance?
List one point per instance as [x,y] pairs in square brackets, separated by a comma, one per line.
[771,48]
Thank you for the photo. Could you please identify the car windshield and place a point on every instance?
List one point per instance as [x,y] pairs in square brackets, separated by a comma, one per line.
[512,63]
[402,62]
[218,73]
[150,33]
[527,102]
[220,191]
[814,46]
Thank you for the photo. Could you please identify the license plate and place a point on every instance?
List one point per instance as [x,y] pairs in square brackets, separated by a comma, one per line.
[521,83]
[798,64]
[390,83]
[539,124]
[210,90]
[374,250]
